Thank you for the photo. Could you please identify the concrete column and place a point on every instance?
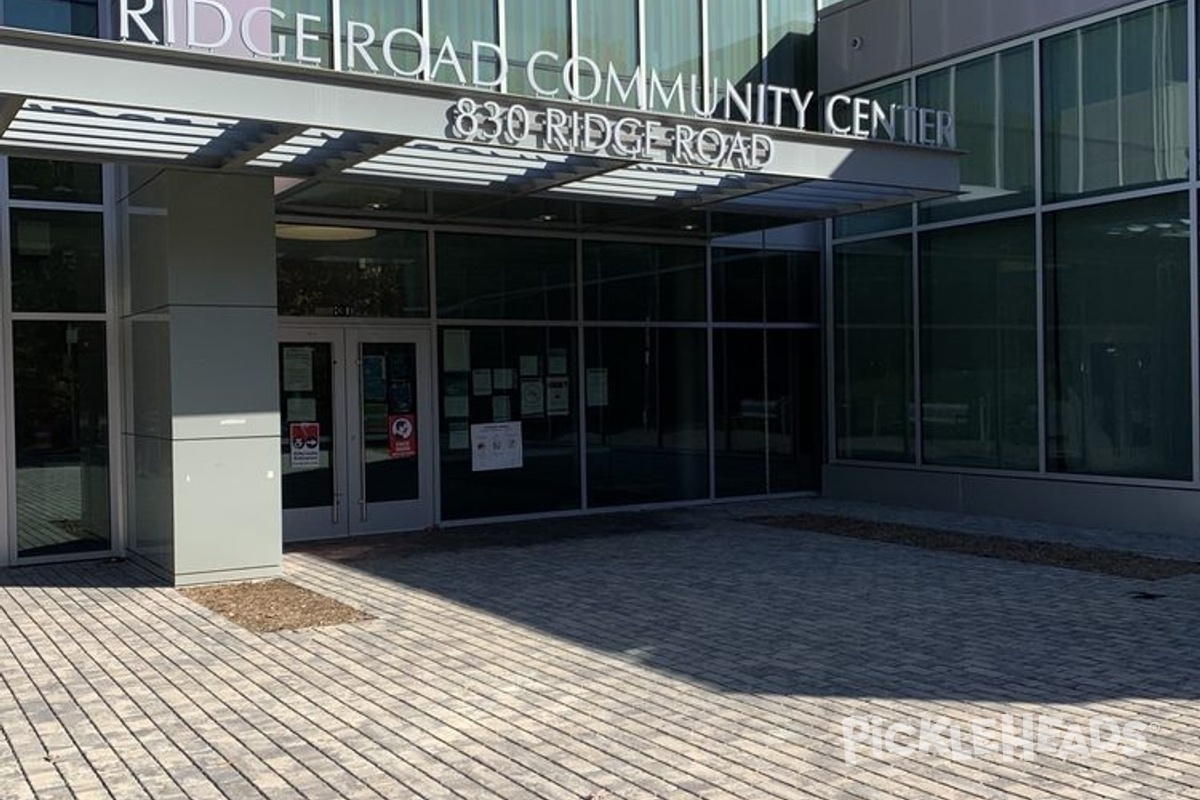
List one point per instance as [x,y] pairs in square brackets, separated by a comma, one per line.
[202,391]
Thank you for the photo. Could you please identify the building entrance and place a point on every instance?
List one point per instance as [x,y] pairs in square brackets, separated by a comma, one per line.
[357,454]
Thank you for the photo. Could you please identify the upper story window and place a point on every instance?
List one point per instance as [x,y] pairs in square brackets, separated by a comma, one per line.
[78,17]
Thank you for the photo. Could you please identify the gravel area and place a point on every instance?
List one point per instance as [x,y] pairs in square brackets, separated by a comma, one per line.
[271,606]
[1052,554]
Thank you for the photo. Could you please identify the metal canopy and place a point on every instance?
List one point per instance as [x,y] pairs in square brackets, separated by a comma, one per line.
[79,98]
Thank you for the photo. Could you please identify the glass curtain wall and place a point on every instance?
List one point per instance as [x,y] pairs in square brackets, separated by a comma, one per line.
[1115,103]
[1112,270]
[533,25]
[76,17]
[59,358]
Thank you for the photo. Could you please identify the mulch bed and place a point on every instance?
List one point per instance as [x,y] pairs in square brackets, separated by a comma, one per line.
[1051,554]
[272,606]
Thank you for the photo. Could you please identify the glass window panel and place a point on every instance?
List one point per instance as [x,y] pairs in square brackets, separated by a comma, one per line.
[979,346]
[791,44]
[641,282]
[533,381]
[1118,363]
[673,40]
[308,487]
[382,276]
[534,25]
[992,99]
[60,388]
[740,448]
[464,22]
[647,416]
[794,416]
[54,181]
[57,261]
[608,34]
[286,28]
[384,18]
[734,44]
[1115,103]
[78,17]
[500,277]
[766,286]
[873,350]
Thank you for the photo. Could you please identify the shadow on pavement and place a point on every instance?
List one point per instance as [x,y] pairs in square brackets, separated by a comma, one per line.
[751,609]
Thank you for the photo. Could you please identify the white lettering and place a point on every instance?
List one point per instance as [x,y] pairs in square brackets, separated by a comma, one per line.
[636,89]
[304,38]
[477,60]
[248,31]
[130,15]
[556,129]
[357,48]
[831,111]
[448,55]
[573,78]
[531,72]
[744,103]
[657,90]
[420,45]
[946,130]
[226,24]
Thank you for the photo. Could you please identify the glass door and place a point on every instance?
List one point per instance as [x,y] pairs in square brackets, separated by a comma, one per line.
[391,485]
[355,410]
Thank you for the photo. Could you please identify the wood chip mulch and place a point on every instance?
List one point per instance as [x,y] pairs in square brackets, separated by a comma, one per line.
[273,606]
[1053,554]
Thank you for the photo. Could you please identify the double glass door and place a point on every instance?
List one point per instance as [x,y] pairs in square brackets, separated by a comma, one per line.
[357,438]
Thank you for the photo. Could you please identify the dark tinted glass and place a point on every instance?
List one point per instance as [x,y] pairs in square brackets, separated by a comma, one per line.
[1118,363]
[766,286]
[54,181]
[305,401]
[501,277]
[647,415]
[57,261]
[382,276]
[643,282]
[873,350]
[78,17]
[60,387]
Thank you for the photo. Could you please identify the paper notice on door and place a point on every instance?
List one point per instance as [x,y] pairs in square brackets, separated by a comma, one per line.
[504,380]
[501,408]
[496,447]
[481,381]
[557,362]
[297,369]
[533,398]
[558,397]
[302,409]
[305,445]
[597,388]
[531,366]
[460,436]
[456,350]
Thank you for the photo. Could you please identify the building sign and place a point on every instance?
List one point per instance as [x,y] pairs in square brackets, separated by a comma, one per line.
[252,29]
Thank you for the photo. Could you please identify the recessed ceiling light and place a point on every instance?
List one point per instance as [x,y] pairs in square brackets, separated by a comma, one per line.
[323,233]
[547,217]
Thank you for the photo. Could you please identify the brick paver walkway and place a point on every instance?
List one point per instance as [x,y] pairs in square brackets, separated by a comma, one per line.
[705,657]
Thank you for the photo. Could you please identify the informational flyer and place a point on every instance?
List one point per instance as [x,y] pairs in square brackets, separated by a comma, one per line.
[456,350]
[533,398]
[496,447]
[457,400]
[374,379]
[558,397]
[557,362]
[597,388]
[402,436]
[460,436]
[531,366]
[504,380]
[481,381]
[306,445]
[501,408]
[297,369]
[302,409]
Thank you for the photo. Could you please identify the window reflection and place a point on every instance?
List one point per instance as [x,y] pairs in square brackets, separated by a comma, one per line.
[60,378]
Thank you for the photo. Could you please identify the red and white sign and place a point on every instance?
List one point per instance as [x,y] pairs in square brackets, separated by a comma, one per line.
[402,436]
[306,445]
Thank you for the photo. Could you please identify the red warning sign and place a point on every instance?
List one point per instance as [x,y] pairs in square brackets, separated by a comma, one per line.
[306,445]
[402,436]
